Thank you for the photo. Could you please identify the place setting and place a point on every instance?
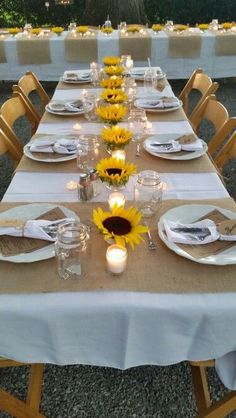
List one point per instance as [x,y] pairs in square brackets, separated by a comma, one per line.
[160,104]
[52,148]
[76,77]
[68,108]
[175,147]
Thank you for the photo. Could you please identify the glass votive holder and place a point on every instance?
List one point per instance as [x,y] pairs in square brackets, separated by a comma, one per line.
[119,154]
[116,257]
[116,199]
[148,192]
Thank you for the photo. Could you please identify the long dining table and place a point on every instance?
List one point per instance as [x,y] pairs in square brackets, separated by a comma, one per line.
[164,309]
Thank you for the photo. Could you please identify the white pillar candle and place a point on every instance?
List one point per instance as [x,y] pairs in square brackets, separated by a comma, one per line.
[117,199]
[116,257]
[119,154]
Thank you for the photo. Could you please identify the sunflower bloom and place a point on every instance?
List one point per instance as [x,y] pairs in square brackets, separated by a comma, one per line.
[122,225]
[111,113]
[114,96]
[114,70]
[115,172]
[111,82]
[111,60]
[116,137]
[107,30]
[157,27]
[82,29]
[203,26]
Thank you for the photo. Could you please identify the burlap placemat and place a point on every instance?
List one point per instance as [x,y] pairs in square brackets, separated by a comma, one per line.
[166,116]
[73,86]
[225,44]
[184,46]
[160,271]
[81,49]
[138,46]
[33,51]
[3,57]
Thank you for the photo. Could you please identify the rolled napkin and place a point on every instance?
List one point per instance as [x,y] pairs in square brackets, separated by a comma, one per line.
[62,146]
[162,103]
[76,76]
[201,232]
[39,228]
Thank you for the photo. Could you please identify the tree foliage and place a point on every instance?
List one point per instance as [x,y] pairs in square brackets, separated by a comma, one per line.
[17,12]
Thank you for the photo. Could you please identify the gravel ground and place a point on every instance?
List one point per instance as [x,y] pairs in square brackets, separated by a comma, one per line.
[94,392]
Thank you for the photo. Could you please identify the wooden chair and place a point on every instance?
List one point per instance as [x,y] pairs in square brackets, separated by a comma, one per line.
[222,134]
[203,84]
[15,407]
[217,114]
[27,84]
[219,409]
[10,112]
[227,151]
[14,150]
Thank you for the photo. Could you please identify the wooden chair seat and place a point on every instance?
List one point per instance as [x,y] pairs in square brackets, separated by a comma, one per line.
[203,84]
[15,407]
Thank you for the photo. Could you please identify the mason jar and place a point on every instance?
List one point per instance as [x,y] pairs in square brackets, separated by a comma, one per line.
[72,250]
[148,192]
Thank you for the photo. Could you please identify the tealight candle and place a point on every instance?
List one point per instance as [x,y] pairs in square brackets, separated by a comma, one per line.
[76,127]
[119,154]
[93,65]
[116,257]
[117,199]
[71,185]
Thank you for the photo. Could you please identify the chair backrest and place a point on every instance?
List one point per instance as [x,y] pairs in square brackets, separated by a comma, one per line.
[10,112]
[203,84]
[221,135]
[227,151]
[27,84]
[13,149]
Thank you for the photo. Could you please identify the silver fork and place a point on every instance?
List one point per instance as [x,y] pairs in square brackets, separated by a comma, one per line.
[151,244]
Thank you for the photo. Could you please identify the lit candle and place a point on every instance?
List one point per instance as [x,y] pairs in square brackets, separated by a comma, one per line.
[117,199]
[71,185]
[76,127]
[116,257]
[119,154]
[93,65]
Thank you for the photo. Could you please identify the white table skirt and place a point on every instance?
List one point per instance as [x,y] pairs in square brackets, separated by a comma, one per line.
[214,66]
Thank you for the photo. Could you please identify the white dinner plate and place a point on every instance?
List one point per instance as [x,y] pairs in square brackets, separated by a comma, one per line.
[153,110]
[33,211]
[45,159]
[139,75]
[66,112]
[82,81]
[162,138]
[189,214]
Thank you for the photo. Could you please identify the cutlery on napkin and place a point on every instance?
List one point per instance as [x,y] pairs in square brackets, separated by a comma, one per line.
[62,146]
[36,228]
[162,103]
[75,76]
[184,143]
[72,106]
[201,232]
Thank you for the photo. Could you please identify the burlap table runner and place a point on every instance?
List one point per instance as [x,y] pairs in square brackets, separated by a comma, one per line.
[225,44]
[3,57]
[138,46]
[33,51]
[81,49]
[160,271]
[184,46]
[73,86]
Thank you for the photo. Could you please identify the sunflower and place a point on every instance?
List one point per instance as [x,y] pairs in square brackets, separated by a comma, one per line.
[36,31]
[58,30]
[180,28]
[107,30]
[82,29]
[157,27]
[114,96]
[115,172]
[120,224]
[227,25]
[133,28]
[203,26]
[14,31]
[111,113]
[116,137]
[114,70]
[112,60]
[111,82]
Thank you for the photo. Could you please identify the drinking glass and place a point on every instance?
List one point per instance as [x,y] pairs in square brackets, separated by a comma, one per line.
[87,152]
[150,80]
[148,192]
[89,104]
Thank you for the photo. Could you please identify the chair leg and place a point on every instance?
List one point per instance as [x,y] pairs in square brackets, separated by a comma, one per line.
[15,407]
[201,390]
[35,386]
[221,408]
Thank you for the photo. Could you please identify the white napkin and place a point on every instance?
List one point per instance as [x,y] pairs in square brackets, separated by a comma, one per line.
[72,106]
[62,146]
[193,146]
[32,229]
[190,233]
[75,75]
[174,146]
[164,103]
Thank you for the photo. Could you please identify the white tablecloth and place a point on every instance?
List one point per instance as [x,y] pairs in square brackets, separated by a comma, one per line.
[118,329]
[214,66]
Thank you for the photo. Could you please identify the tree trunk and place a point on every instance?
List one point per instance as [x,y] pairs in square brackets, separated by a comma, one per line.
[130,11]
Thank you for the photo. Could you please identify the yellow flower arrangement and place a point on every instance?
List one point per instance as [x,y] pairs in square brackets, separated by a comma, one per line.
[116,137]
[111,113]
[122,225]
[114,96]
[111,60]
[82,29]
[111,82]
[227,25]
[114,69]
[180,28]
[36,31]
[115,172]
[157,27]
[133,28]
[203,26]
[108,31]
[57,30]
[14,31]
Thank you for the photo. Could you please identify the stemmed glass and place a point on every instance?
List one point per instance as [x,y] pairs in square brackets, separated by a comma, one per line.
[137,124]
